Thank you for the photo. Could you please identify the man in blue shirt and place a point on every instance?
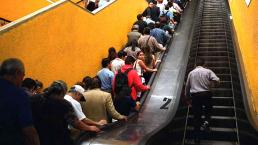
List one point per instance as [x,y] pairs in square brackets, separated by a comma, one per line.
[160,35]
[16,126]
[106,75]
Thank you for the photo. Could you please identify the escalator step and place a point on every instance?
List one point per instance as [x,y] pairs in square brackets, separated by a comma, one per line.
[220,134]
[211,142]
[220,70]
[221,111]
[213,53]
[224,77]
[217,121]
[224,101]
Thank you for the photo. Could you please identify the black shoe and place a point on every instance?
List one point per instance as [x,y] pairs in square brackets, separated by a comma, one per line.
[197,140]
[205,127]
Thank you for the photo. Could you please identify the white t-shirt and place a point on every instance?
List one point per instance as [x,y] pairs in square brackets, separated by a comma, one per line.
[76,106]
[116,64]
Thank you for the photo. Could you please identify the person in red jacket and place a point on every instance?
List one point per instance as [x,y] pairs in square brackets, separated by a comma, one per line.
[134,79]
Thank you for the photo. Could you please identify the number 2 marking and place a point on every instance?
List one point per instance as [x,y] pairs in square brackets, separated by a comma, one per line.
[165,105]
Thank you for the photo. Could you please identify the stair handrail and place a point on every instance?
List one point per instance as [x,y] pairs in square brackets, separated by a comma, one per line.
[30,16]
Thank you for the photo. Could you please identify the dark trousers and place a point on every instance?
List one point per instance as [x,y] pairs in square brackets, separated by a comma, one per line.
[201,105]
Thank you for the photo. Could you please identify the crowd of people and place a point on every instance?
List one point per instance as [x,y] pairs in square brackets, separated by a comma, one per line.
[57,114]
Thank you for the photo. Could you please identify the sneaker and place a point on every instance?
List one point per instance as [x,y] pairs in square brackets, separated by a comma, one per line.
[205,126]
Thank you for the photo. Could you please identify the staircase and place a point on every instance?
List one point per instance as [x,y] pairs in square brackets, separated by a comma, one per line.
[212,41]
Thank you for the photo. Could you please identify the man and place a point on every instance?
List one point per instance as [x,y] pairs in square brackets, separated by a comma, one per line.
[150,41]
[16,126]
[142,24]
[155,12]
[29,86]
[198,85]
[73,96]
[160,35]
[52,114]
[134,81]
[134,34]
[106,75]
[99,104]
[118,62]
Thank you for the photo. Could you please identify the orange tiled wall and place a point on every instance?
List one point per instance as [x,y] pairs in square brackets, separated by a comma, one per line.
[15,9]
[67,42]
[245,20]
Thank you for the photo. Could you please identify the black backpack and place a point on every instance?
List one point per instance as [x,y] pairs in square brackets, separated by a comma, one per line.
[121,87]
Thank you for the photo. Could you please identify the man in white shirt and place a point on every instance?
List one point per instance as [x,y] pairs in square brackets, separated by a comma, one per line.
[118,62]
[198,85]
[73,96]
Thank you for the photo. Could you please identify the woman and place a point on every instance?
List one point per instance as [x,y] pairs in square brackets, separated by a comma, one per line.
[141,67]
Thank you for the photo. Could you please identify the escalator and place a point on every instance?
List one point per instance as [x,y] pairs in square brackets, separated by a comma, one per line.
[212,40]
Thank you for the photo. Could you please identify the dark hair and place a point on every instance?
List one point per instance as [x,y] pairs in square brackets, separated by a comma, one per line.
[39,84]
[146,30]
[139,16]
[148,56]
[96,83]
[29,83]
[199,61]
[138,53]
[129,60]
[111,53]
[87,82]
[154,2]
[10,66]
[151,25]
[166,7]
[58,87]
[170,4]
[105,62]
[91,6]
[121,54]
[134,44]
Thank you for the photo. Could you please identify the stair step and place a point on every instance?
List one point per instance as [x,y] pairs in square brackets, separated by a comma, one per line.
[224,77]
[220,70]
[212,53]
[223,101]
[212,37]
[217,121]
[221,44]
[217,64]
[211,142]
[221,111]
[220,134]
[215,58]
[211,40]
[205,48]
